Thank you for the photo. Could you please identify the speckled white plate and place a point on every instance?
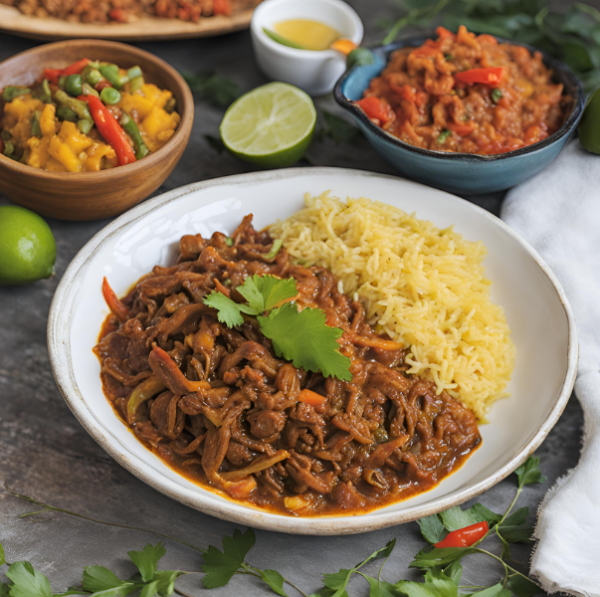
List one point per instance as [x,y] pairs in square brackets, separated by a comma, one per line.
[535,305]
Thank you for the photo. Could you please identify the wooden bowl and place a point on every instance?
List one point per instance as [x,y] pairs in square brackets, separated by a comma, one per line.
[93,195]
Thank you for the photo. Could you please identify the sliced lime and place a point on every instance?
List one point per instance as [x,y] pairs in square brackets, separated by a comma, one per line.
[284,41]
[271,126]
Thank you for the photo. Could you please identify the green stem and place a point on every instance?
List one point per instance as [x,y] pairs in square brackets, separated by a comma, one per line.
[508,510]
[506,566]
[248,570]
[97,521]
[413,14]
[590,10]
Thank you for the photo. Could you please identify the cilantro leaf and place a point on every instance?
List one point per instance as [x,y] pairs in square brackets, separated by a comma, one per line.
[219,566]
[215,88]
[165,581]
[530,473]
[305,339]
[517,534]
[432,528]
[338,129]
[4,589]
[522,586]
[273,579]
[263,293]
[2,556]
[455,518]
[454,571]
[229,312]
[147,559]
[516,518]
[150,589]
[98,579]
[380,588]
[493,591]
[27,582]
[432,558]
[436,584]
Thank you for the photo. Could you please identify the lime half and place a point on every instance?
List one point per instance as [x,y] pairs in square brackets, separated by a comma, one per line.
[271,126]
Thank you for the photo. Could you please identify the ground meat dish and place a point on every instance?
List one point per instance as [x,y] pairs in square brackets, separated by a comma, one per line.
[466,93]
[222,410]
[123,11]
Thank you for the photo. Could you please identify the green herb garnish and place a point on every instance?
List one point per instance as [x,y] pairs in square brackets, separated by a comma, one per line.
[284,41]
[496,95]
[360,57]
[443,136]
[214,88]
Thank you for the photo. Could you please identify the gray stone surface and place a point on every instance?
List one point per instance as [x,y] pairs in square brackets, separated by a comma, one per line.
[45,453]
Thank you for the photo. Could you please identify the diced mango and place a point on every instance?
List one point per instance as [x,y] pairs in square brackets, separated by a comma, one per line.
[38,156]
[17,117]
[95,153]
[62,153]
[74,138]
[54,166]
[48,121]
[155,124]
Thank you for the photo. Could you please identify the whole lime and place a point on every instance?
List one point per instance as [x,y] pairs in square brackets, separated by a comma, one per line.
[27,246]
[589,127]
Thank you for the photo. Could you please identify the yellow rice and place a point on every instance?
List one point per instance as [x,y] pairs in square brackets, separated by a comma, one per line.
[420,285]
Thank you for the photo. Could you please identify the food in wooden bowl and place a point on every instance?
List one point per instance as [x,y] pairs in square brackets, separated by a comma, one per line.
[89,128]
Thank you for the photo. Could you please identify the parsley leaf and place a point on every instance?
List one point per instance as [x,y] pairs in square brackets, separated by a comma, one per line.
[165,581]
[380,588]
[147,559]
[304,338]
[516,518]
[150,589]
[455,518]
[27,582]
[436,584]
[220,566]
[273,579]
[216,89]
[522,586]
[530,473]
[454,571]
[263,293]
[432,528]
[517,534]
[4,590]
[98,579]
[493,591]
[229,312]
[437,556]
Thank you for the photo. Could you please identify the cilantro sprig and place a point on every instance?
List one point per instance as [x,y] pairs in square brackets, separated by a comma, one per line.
[442,568]
[302,337]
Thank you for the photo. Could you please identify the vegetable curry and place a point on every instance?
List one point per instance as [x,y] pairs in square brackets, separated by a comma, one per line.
[86,117]
[466,93]
[204,384]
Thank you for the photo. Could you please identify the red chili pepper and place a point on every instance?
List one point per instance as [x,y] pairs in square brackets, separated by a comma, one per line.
[75,68]
[466,536]
[52,75]
[110,129]
[488,76]
[222,7]
[113,302]
[375,109]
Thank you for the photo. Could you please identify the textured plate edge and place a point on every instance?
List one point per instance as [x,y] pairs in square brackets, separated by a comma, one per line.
[58,338]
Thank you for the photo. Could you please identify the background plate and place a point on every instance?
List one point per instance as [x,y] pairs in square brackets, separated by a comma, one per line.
[535,306]
[144,29]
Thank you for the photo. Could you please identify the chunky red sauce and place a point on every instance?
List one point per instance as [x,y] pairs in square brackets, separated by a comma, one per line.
[248,429]
[466,93]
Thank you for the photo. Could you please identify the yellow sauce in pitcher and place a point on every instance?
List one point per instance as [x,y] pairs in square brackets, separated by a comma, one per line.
[310,34]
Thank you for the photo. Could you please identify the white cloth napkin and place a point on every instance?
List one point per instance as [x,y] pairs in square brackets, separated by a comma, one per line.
[558,212]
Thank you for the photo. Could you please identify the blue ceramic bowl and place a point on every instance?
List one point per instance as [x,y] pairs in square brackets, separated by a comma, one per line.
[461,173]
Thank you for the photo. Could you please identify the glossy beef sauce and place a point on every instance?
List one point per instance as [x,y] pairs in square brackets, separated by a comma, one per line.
[223,410]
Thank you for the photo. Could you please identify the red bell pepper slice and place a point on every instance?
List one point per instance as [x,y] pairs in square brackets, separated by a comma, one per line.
[75,68]
[110,129]
[52,75]
[487,76]
[466,536]
[375,109]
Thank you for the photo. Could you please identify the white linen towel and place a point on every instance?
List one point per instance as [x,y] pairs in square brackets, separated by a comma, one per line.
[558,212]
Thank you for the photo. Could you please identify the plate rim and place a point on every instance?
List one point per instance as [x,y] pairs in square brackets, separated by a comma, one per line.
[58,339]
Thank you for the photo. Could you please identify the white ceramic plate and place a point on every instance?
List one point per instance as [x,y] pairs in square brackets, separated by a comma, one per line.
[535,305]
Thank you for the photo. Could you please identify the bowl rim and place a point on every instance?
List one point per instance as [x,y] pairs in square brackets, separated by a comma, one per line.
[384,52]
[288,52]
[186,113]
[58,339]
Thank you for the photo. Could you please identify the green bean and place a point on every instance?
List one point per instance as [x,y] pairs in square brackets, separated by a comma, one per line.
[85,125]
[136,84]
[36,131]
[65,113]
[93,77]
[130,127]
[134,72]
[73,85]
[11,92]
[78,106]
[110,96]
[61,82]
[9,148]
[170,105]
[111,72]
[5,135]
[44,92]
[87,89]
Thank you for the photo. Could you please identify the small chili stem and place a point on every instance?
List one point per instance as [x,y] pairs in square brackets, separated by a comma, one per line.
[48,507]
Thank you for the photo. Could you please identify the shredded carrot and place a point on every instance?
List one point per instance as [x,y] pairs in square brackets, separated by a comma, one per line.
[114,304]
[378,343]
[317,401]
